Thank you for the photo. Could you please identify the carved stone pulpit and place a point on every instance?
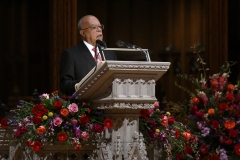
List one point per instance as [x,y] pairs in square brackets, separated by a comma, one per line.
[122,89]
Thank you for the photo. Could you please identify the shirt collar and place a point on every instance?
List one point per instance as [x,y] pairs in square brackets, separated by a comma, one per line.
[90,47]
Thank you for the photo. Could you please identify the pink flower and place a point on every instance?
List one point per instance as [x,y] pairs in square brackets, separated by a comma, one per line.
[203,97]
[150,111]
[85,135]
[74,121]
[57,121]
[73,108]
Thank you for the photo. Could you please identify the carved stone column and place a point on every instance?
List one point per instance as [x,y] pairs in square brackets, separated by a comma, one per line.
[122,89]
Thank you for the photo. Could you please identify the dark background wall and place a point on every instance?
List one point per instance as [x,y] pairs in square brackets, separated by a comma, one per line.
[34,33]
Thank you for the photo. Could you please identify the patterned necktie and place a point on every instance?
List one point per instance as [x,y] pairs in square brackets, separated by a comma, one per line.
[97,56]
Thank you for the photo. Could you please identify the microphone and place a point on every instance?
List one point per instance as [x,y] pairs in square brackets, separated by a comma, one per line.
[102,44]
[126,45]
[120,43]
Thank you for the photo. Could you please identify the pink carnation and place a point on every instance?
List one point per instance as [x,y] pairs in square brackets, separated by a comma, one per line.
[85,135]
[73,108]
[203,97]
[57,121]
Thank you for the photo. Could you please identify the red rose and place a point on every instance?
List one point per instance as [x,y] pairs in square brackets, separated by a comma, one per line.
[223,106]
[237,149]
[229,97]
[171,120]
[212,156]
[188,150]
[179,157]
[229,142]
[29,143]
[39,110]
[77,147]
[57,104]
[62,136]
[55,92]
[199,114]
[4,123]
[215,124]
[177,133]
[194,109]
[37,120]
[108,123]
[233,133]
[37,146]
[84,119]
[97,128]
[203,149]
[144,114]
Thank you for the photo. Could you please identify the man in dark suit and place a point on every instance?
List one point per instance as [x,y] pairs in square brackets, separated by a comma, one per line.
[78,60]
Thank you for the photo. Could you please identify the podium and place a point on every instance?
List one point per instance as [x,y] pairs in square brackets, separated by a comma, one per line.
[122,89]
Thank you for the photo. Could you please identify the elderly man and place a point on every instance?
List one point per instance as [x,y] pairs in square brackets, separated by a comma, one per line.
[78,60]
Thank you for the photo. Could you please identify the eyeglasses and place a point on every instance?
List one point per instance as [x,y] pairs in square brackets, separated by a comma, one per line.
[95,27]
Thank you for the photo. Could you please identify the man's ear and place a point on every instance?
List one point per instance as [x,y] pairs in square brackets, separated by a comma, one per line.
[82,33]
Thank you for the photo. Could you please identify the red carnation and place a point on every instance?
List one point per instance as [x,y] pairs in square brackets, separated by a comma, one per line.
[229,97]
[37,146]
[237,149]
[39,110]
[97,128]
[4,123]
[57,104]
[233,133]
[37,120]
[84,119]
[171,120]
[108,123]
[203,149]
[62,136]
[215,124]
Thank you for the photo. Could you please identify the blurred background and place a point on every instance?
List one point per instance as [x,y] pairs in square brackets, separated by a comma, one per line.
[34,34]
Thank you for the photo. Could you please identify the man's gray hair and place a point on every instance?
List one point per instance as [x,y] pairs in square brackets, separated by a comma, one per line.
[79,24]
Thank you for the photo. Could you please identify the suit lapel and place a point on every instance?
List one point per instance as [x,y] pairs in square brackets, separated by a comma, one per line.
[86,53]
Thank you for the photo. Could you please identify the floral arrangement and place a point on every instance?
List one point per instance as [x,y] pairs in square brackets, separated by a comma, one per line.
[56,119]
[214,114]
[161,129]
[4,110]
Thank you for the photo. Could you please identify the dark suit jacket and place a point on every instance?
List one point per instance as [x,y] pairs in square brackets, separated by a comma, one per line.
[76,62]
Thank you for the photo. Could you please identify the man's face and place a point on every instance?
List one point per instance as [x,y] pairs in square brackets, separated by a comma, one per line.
[91,30]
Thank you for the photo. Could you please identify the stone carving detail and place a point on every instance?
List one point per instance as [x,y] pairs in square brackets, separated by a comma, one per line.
[125,105]
[138,66]
[137,148]
[118,147]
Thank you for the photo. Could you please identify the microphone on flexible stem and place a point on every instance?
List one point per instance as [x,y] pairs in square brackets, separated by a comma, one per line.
[101,45]
[128,45]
